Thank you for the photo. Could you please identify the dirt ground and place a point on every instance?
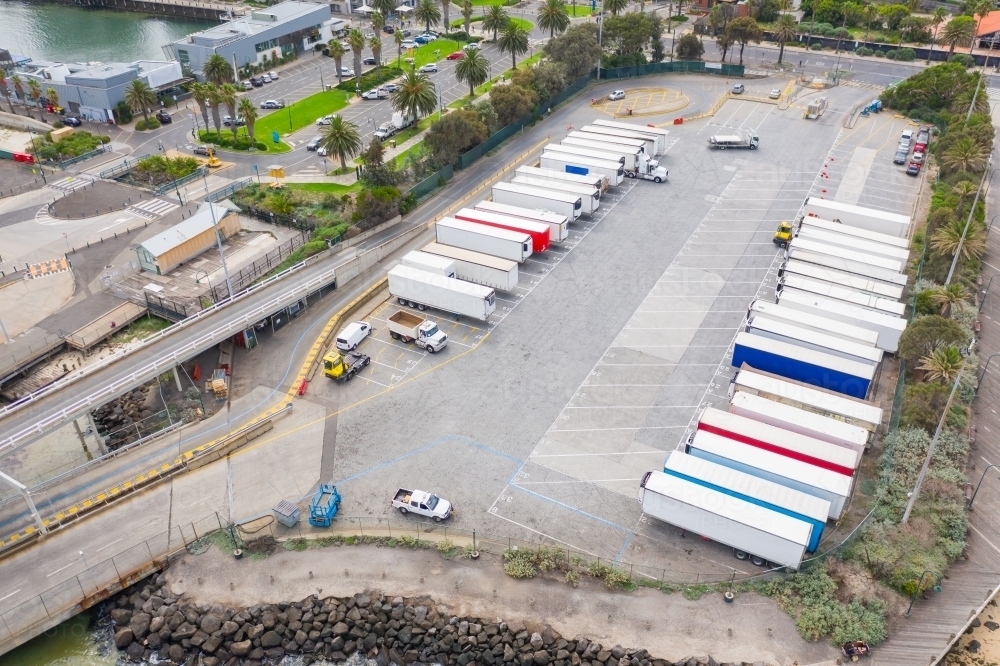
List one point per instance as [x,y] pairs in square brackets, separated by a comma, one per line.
[751,629]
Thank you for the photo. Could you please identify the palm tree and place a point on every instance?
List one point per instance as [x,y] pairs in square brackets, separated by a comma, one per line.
[940,14]
[473,69]
[445,7]
[554,17]
[964,155]
[495,19]
[6,90]
[616,6]
[215,97]
[227,93]
[946,297]
[957,31]
[427,13]
[52,96]
[943,364]
[35,93]
[139,97]
[386,7]
[946,240]
[249,114]
[869,12]
[201,94]
[341,138]
[849,10]
[399,39]
[378,22]
[217,69]
[785,30]
[415,96]
[375,44]
[980,8]
[337,52]
[467,9]
[514,41]
[964,190]
[19,91]
[357,42]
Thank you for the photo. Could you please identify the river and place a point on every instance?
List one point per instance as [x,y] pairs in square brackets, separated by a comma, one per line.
[68,33]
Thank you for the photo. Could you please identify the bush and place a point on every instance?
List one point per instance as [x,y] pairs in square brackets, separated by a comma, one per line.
[74,145]
[458,35]
[679,18]
[371,79]
[863,51]
[963,59]
[906,54]
[879,54]
[891,54]
[689,47]
[816,47]
[144,125]
[224,139]
[159,170]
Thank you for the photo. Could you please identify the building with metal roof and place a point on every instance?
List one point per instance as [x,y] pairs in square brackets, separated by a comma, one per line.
[167,250]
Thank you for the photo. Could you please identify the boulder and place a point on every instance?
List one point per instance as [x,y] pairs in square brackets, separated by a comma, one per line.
[121,616]
[156,624]
[270,639]
[536,641]
[135,652]
[139,624]
[341,629]
[176,654]
[186,630]
[228,628]
[540,657]
[241,649]
[123,637]
[210,624]
[211,644]
[154,642]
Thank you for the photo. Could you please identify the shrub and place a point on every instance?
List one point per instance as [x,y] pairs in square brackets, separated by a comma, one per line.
[371,79]
[863,51]
[150,124]
[518,563]
[224,139]
[140,126]
[879,54]
[458,36]
[891,54]
[816,47]
[963,59]
[906,54]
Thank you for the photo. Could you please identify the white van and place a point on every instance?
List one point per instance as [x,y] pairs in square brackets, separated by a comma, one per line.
[352,335]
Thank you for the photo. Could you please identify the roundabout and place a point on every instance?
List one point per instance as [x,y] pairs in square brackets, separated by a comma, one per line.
[643,102]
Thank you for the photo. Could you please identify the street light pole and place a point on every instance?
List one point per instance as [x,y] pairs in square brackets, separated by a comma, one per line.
[218,242]
[986,291]
[937,588]
[968,223]
[985,368]
[981,479]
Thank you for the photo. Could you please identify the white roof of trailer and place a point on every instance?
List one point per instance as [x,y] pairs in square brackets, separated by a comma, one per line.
[808,420]
[867,352]
[848,230]
[850,266]
[828,401]
[845,253]
[517,211]
[538,192]
[485,229]
[441,280]
[781,312]
[846,309]
[811,356]
[528,226]
[860,210]
[461,254]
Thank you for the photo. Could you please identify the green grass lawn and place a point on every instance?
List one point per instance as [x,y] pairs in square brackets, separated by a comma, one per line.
[325,188]
[401,158]
[489,84]
[428,53]
[299,114]
[524,23]
[578,10]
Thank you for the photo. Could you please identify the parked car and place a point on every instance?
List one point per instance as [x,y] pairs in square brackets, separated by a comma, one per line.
[201,150]
[457,55]
[272,104]
[429,67]
[369,61]
[266,78]
[256,81]
[273,75]
[471,47]
[900,157]
[423,39]
[918,158]
[321,151]
[346,71]
[913,169]
[247,85]
[227,121]
[369,35]
[774,94]
[72,121]
[388,29]
[739,89]
[353,334]
[906,135]
[390,87]
[407,33]
[325,120]
[617,94]
[409,44]
[162,116]
[313,143]
[378,93]
[345,44]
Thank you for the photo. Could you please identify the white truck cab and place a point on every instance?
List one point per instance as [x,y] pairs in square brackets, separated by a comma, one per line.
[647,169]
[422,503]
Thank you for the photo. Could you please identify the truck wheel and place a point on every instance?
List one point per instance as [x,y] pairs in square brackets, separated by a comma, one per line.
[740,555]
[403,510]
[368,360]
[657,180]
[430,350]
[394,335]
[753,147]
[630,174]
[758,561]
[402,301]
[437,519]
[411,304]
[421,307]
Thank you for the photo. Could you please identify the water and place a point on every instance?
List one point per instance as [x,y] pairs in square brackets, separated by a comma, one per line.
[73,34]
[73,643]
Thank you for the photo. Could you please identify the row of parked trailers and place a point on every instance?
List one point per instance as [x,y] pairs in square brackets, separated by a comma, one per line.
[767,475]
[478,249]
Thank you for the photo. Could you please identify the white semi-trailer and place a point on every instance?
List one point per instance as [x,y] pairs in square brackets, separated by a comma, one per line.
[846,294]
[598,181]
[807,245]
[526,196]
[477,267]
[662,133]
[799,420]
[818,323]
[572,160]
[628,155]
[504,243]
[848,266]
[843,279]
[892,224]
[430,263]
[595,153]
[558,227]
[888,327]
[853,243]
[865,234]
[420,289]
[653,146]
[610,140]
[803,337]
[589,195]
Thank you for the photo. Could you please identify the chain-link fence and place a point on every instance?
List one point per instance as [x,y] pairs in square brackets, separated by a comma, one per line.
[432,182]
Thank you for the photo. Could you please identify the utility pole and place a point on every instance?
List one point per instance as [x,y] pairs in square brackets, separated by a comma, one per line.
[968,222]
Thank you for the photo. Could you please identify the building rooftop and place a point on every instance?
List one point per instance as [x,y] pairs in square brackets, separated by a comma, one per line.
[258,21]
[188,229]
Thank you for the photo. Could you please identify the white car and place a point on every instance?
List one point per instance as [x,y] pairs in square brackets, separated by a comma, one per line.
[369,35]
[375,94]
[472,47]
[352,335]
[321,151]
[346,71]
[409,44]
[271,104]
[618,94]
[325,120]
[266,78]
[774,94]
[429,67]
[273,75]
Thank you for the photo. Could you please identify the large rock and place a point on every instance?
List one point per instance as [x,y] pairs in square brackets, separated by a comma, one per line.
[123,637]
[536,641]
[270,639]
[211,644]
[154,642]
[135,652]
[139,624]
[210,624]
[156,624]
[121,616]
[176,654]
[186,630]
[240,649]
[341,629]
[541,657]
[228,628]
[508,653]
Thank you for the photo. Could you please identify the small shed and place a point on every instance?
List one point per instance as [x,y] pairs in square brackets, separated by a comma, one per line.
[168,250]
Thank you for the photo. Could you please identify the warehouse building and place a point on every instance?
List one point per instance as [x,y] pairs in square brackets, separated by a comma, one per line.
[185,241]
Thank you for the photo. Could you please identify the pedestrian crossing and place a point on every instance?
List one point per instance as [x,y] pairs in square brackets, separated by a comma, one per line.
[43,217]
[69,184]
[310,171]
[152,209]
[863,84]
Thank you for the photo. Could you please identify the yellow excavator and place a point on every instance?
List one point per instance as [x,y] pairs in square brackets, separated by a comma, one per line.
[213,161]
[783,235]
[344,366]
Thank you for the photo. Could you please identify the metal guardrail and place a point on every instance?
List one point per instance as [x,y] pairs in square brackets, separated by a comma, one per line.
[200,172]
[229,190]
[124,167]
[79,158]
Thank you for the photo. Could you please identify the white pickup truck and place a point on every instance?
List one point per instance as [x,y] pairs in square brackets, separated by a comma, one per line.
[411,328]
[422,503]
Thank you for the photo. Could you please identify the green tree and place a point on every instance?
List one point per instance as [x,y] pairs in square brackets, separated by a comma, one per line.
[5,90]
[514,41]
[689,47]
[940,14]
[376,173]
[341,138]
[473,69]
[925,334]
[554,17]
[980,9]
[248,111]
[869,12]
[616,6]
[445,11]
[550,79]
[378,22]
[964,155]
[217,70]
[337,52]
[140,97]
[785,30]
[941,365]
[467,10]
[946,240]
[399,39]
[576,50]
[201,92]
[495,19]
[357,41]
[375,44]
[947,297]
[35,93]
[416,95]
[455,134]
[19,91]
[719,17]
[385,7]
[511,102]
[958,31]
[427,12]
[743,31]
[724,42]
[964,190]
[227,93]
[52,96]
[215,98]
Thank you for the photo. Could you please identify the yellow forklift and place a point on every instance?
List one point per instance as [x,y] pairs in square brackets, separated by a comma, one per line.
[343,366]
[783,236]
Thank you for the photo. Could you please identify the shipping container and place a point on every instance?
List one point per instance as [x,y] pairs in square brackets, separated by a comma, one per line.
[848,230]
[849,242]
[430,263]
[888,327]
[807,245]
[558,227]
[767,437]
[539,232]
[478,267]
[570,159]
[589,195]
[809,398]
[892,224]
[503,243]
[854,297]
[856,282]
[816,481]
[596,180]
[526,196]
[813,322]
[752,531]
[847,266]
[817,426]
[804,337]
[653,145]
[851,378]
[420,289]
[761,492]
